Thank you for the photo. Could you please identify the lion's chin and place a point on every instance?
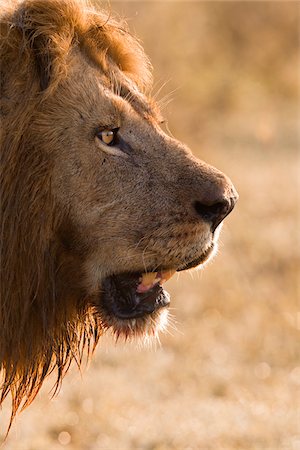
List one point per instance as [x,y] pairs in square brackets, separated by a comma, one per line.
[144,329]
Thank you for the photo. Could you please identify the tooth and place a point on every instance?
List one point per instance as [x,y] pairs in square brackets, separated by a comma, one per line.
[148,278]
[167,274]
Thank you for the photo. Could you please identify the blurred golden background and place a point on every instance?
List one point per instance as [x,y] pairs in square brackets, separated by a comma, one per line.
[227,376]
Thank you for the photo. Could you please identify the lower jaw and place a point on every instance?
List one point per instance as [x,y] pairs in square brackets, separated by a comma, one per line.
[147,304]
[146,327]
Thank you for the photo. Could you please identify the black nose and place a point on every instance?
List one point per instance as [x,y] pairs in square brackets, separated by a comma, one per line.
[215,211]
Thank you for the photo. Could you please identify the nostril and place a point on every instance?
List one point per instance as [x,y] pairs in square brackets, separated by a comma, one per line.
[214,213]
[209,212]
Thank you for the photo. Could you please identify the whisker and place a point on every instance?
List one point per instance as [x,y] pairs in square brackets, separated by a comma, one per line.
[156,94]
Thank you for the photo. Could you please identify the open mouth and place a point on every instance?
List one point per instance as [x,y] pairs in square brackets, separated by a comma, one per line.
[132,297]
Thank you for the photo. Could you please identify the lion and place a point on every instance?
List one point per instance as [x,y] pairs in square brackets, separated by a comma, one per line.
[99,206]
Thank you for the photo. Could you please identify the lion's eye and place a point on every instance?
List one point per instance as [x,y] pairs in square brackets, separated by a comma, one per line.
[109,137]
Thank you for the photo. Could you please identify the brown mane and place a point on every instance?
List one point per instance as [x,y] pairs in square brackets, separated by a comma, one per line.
[36,38]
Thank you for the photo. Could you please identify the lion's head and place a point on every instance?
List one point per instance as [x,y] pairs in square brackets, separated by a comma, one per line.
[99,205]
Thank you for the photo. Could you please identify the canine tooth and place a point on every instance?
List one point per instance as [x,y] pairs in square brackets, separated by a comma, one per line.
[167,274]
[148,278]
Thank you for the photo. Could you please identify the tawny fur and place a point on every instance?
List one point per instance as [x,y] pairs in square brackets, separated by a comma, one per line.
[36,38]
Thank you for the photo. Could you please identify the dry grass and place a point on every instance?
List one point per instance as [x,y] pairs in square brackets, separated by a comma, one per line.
[229,376]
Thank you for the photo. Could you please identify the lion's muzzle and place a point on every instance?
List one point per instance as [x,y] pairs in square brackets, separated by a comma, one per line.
[130,301]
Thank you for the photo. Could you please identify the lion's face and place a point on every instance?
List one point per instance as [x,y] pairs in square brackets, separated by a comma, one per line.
[137,206]
[99,205]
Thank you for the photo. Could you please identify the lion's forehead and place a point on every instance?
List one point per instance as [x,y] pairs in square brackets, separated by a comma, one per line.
[117,86]
[117,92]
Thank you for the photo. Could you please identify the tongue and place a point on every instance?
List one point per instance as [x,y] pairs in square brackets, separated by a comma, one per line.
[148,280]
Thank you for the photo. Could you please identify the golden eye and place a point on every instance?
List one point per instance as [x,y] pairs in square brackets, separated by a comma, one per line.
[108,137]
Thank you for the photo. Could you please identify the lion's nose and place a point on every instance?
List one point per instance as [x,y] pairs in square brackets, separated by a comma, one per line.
[215,207]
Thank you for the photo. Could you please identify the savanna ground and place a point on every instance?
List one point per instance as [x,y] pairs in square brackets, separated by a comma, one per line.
[228,374]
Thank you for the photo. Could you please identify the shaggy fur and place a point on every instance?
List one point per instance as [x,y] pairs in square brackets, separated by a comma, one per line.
[36,37]
[74,211]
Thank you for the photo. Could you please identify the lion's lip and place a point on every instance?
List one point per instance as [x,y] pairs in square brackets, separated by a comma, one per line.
[199,260]
[121,297]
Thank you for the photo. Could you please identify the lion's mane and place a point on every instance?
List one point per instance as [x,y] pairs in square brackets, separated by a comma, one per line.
[39,331]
